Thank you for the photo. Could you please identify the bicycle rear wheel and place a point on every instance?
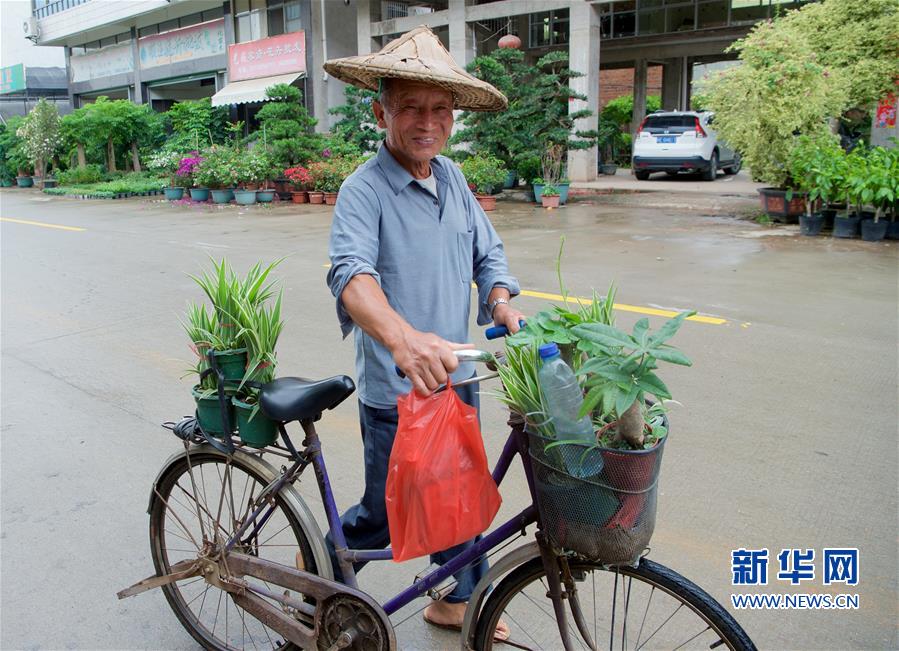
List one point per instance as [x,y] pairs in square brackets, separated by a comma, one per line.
[649,607]
[200,500]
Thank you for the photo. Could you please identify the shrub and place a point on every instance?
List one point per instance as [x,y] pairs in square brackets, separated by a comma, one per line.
[80,175]
[328,175]
[484,173]
[217,168]
[298,177]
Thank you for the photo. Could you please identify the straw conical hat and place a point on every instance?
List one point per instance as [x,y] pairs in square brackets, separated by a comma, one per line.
[418,55]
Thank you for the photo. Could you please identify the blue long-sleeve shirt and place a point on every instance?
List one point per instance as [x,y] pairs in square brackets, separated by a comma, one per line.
[423,251]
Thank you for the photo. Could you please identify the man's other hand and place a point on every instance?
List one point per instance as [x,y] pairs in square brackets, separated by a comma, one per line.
[426,359]
[506,315]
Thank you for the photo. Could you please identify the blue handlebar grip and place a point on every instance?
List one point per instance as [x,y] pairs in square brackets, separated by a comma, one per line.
[399,372]
[496,332]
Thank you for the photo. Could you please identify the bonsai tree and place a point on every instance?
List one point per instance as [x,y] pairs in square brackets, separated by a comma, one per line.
[484,173]
[286,128]
[356,125]
[40,135]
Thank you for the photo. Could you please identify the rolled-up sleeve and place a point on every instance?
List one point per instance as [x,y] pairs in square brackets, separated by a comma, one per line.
[489,259]
[353,247]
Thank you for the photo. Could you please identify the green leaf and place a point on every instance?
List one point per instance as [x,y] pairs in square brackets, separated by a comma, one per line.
[651,383]
[641,328]
[593,398]
[672,355]
[605,335]
[669,329]
[624,400]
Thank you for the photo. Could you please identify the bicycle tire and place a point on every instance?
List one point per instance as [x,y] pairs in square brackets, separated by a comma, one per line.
[164,503]
[678,588]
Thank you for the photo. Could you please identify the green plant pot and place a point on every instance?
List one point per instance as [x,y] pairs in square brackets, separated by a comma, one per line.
[174,194]
[230,192]
[245,197]
[50,183]
[24,181]
[6,183]
[265,196]
[511,180]
[233,363]
[563,192]
[538,192]
[199,194]
[209,413]
[221,196]
[258,431]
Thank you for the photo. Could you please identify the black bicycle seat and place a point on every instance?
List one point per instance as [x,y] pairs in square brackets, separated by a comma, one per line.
[293,398]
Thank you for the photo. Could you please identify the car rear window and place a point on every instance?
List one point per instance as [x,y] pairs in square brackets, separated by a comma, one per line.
[670,123]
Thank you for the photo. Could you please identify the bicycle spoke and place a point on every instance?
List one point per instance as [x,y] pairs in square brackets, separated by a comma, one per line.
[661,626]
[645,613]
[614,606]
[683,644]
[515,621]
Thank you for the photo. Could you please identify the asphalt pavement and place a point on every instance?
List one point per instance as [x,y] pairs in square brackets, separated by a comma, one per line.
[786,436]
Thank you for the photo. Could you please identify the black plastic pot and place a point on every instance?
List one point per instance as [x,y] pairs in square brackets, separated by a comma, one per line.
[893,230]
[811,225]
[845,226]
[874,231]
[829,214]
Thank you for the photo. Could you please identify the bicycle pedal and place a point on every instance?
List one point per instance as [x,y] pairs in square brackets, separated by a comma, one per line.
[442,589]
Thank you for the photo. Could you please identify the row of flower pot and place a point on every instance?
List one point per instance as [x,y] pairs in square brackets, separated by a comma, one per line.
[26,182]
[850,226]
[245,197]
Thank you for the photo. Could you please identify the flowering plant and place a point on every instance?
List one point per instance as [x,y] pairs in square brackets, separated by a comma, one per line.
[298,176]
[188,166]
[329,175]
[253,167]
[217,168]
[166,163]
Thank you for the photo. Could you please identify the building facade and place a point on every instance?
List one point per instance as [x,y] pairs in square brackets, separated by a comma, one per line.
[163,51]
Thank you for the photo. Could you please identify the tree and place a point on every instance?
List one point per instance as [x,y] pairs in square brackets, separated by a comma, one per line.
[40,135]
[286,128]
[614,137]
[357,124]
[195,123]
[538,114]
[75,129]
[798,73]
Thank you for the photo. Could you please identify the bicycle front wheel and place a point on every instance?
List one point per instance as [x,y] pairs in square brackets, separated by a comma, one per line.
[643,607]
[200,501]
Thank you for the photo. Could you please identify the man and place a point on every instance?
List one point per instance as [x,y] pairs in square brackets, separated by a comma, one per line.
[407,240]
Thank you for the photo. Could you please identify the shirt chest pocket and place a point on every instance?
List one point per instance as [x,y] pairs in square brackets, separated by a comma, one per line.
[465,255]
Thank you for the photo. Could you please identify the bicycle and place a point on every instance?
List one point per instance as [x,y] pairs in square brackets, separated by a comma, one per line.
[224,520]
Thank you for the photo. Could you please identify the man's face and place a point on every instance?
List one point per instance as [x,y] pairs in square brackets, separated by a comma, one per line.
[418,118]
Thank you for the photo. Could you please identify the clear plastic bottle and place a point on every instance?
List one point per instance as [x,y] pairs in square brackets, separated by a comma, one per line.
[563,397]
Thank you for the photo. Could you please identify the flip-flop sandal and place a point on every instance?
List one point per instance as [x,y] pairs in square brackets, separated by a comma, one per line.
[497,636]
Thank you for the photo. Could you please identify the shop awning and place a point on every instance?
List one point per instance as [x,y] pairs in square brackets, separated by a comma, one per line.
[250,90]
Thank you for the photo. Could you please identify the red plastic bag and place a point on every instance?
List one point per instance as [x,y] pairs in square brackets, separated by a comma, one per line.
[439,490]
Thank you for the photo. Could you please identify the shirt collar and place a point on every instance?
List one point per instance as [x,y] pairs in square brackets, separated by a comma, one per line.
[399,177]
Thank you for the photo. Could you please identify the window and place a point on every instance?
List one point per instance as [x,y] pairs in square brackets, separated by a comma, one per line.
[168,25]
[712,14]
[149,30]
[276,21]
[283,18]
[669,123]
[397,9]
[193,19]
[548,28]
[248,27]
[212,14]
[652,21]
[743,11]
[292,20]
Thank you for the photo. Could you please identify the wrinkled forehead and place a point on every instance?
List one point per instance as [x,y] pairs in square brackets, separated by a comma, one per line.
[399,88]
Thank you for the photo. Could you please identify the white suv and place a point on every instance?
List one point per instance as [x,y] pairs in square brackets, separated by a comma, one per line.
[681,141]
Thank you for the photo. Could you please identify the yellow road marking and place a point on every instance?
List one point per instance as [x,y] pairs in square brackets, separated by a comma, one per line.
[622,307]
[42,224]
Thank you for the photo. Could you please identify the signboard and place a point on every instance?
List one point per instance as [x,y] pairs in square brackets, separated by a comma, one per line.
[886,112]
[112,60]
[267,57]
[12,79]
[194,42]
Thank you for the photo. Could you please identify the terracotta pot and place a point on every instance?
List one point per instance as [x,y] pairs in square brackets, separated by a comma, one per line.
[775,203]
[330,198]
[299,197]
[316,197]
[550,201]
[487,201]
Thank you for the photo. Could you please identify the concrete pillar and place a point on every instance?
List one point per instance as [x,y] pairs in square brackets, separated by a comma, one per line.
[461,35]
[366,44]
[671,84]
[318,79]
[639,95]
[138,96]
[583,56]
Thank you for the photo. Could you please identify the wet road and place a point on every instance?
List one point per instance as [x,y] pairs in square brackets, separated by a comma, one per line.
[786,437]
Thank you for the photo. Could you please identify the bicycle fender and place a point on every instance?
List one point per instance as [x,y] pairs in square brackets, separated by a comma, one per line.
[506,564]
[294,501]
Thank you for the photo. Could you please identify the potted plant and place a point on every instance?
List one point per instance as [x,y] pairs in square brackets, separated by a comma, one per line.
[262,161]
[318,173]
[261,325]
[207,337]
[551,162]
[814,163]
[300,180]
[616,473]
[187,168]
[484,173]
[218,172]
[251,167]
[549,196]
[167,163]
[880,190]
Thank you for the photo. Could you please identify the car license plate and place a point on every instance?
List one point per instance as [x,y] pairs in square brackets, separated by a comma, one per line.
[667,138]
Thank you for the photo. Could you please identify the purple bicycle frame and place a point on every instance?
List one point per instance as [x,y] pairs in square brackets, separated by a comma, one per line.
[516,443]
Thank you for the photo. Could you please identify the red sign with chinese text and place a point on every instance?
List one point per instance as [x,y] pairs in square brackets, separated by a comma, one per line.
[267,57]
[886,112]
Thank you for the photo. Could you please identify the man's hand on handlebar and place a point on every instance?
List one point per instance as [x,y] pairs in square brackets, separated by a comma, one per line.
[426,359]
[506,315]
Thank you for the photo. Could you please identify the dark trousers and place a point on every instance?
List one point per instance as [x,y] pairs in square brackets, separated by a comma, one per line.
[365,524]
